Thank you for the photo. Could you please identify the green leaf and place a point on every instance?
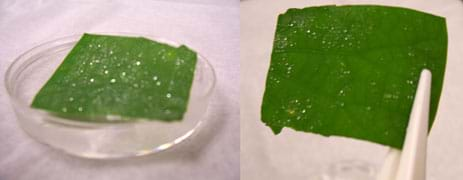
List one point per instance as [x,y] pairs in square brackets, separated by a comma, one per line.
[352,70]
[126,77]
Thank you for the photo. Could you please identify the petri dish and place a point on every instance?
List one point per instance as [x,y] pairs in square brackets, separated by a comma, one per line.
[31,70]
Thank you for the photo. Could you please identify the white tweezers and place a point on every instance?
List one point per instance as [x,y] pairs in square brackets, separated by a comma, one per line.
[410,163]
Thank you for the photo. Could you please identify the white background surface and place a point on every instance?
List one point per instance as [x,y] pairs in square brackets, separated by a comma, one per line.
[297,156]
[209,26]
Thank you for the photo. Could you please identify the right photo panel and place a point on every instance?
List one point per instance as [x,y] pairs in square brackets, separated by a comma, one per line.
[351,90]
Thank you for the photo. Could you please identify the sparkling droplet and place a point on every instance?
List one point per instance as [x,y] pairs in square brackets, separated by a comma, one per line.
[158,83]
[92,80]
[341,92]
[291,111]
[123,74]
[168,95]
[111,52]
[138,63]
[155,78]
[303,111]
[308,31]
[106,71]
[99,45]
[113,80]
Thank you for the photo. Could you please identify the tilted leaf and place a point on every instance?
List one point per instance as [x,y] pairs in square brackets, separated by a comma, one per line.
[352,70]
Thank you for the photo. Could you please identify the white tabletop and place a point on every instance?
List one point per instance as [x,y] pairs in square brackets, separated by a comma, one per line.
[209,26]
[296,155]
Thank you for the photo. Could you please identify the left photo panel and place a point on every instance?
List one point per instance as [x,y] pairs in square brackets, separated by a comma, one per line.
[119,90]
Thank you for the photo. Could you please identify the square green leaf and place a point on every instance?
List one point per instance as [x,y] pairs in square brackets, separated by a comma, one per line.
[127,77]
[352,70]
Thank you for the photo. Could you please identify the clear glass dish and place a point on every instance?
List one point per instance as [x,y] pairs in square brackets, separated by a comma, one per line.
[30,71]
